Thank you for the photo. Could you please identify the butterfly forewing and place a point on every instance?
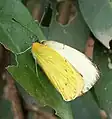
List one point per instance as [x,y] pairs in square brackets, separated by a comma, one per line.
[59,71]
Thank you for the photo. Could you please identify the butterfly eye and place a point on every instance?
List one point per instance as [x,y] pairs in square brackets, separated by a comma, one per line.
[43,42]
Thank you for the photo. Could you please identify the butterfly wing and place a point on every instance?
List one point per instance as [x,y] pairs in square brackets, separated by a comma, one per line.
[59,71]
[79,61]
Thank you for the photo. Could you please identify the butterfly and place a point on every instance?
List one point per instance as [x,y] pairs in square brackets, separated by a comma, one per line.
[80,61]
[54,59]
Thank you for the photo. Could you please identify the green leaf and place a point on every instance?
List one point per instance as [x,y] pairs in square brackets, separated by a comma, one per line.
[39,87]
[97,14]
[85,107]
[14,9]
[17,26]
[15,37]
[103,88]
[28,99]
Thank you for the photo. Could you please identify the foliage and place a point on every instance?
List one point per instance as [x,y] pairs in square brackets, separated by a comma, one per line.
[18,30]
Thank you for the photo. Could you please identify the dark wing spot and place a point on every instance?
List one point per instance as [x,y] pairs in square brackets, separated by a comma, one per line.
[62,88]
[65,60]
[66,84]
[63,46]
[81,75]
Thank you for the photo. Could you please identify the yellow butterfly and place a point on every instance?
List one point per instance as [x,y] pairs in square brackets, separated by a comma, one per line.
[64,77]
[79,61]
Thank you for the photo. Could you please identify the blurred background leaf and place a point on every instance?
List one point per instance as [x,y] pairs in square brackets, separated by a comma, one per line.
[103,87]
[97,14]
[74,33]
[85,107]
